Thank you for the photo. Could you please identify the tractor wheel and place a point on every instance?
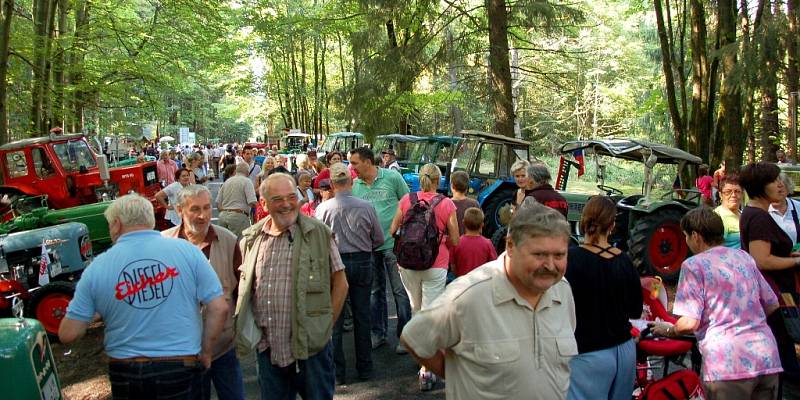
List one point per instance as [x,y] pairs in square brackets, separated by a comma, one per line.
[499,239]
[497,211]
[49,305]
[657,246]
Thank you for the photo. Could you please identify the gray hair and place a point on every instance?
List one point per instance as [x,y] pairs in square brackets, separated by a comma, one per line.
[301,175]
[243,168]
[536,220]
[301,160]
[429,176]
[788,182]
[519,165]
[191,191]
[539,173]
[131,210]
[272,178]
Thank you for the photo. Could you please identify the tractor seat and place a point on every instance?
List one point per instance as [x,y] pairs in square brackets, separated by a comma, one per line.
[664,347]
[630,201]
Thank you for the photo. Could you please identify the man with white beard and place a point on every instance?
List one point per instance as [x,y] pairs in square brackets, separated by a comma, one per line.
[219,245]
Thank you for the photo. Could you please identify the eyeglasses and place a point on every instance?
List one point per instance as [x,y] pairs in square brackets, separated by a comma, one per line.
[729,193]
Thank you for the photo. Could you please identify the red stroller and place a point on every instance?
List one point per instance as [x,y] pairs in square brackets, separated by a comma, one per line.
[654,353]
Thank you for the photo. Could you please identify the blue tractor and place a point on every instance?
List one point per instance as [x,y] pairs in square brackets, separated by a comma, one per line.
[487,158]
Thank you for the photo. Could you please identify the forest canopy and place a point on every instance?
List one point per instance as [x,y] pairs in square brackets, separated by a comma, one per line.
[717,78]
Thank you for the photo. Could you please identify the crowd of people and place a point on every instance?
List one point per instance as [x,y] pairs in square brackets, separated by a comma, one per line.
[301,247]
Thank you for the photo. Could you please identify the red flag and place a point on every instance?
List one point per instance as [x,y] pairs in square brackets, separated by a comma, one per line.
[578,156]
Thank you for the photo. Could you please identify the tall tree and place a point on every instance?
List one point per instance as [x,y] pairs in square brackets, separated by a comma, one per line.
[499,67]
[729,118]
[6,17]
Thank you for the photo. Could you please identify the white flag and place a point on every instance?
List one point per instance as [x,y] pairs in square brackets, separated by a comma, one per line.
[44,274]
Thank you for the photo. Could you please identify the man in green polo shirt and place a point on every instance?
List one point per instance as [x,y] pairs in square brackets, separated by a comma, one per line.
[382,188]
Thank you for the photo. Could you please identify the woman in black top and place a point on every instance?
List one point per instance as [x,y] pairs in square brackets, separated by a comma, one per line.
[771,247]
[607,294]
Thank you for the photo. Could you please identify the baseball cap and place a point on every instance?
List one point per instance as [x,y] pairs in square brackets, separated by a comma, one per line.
[339,171]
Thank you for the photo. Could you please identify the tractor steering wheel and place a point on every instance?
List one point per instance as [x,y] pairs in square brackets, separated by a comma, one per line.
[691,195]
[610,190]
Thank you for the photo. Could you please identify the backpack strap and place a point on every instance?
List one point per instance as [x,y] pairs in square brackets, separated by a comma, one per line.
[436,200]
[413,199]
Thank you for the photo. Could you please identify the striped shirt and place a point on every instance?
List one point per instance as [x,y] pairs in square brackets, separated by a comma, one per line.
[272,293]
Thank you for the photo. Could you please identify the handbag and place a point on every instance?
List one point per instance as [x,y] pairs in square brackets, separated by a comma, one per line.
[791,315]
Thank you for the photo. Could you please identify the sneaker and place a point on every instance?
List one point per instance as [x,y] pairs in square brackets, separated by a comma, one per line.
[378,341]
[400,349]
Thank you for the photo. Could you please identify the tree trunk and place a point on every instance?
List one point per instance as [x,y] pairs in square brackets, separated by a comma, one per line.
[41,49]
[6,16]
[792,75]
[770,126]
[729,119]
[499,68]
[698,129]
[58,115]
[78,100]
[455,110]
[666,64]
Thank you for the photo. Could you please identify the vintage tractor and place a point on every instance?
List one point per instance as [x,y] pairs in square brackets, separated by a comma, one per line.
[487,158]
[64,168]
[69,251]
[437,149]
[648,221]
[294,143]
[342,142]
[403,146]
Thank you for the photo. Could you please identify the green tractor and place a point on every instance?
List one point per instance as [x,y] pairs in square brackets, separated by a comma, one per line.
[403,146]
[437,149]
[648,217]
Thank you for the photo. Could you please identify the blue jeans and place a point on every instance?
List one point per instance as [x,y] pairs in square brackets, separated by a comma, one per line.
[603,374]
[358,269]
[155,380]
[226,373]
[386,269]
[312,379]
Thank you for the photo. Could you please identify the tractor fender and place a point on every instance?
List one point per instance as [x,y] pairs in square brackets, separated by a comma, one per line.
[645,208]
[24,189]
[496,186]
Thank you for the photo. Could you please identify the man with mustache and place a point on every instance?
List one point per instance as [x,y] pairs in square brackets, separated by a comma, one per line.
[505,330]
[219,246]
[292,289]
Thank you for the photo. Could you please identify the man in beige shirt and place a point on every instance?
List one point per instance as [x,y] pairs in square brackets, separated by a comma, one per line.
[506,330]
[236,197]
[219,245]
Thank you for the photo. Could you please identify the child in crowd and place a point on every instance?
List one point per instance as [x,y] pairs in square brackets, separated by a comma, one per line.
[459,185]
[473,250]
[704,183]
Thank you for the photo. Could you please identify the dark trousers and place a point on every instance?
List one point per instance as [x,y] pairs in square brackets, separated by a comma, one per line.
[155,380]
[385,270]
[312,379]
[358,269]
[226,373]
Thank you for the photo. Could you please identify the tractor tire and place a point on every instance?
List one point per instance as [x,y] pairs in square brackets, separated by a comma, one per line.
[499,239]
[496,210]
[49,305]
[657,245]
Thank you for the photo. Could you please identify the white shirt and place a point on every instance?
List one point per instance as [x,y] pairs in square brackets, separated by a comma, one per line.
[786,221]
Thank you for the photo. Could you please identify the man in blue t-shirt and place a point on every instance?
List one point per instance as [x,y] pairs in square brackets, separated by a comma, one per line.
[148,291]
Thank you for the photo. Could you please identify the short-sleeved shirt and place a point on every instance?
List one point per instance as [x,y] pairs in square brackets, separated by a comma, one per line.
[166,171]
[172,191]
[786,220]
[442,213]
[254,170]
[757,224]
[704,184]
[384,194]
[148,290]
[723,289]
[498,346]
[462,206]
[472,252]
[237,193]
[730,222]
[353,222]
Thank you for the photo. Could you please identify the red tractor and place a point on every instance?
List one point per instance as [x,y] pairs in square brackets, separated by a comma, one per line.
[65,168]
